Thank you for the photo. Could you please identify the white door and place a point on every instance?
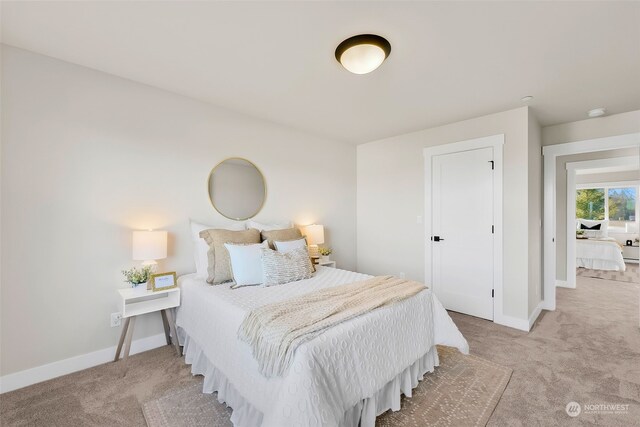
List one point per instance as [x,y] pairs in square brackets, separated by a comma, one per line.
[462,227]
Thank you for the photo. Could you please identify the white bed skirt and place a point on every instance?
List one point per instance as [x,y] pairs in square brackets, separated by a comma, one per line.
[363,414]
[600,264]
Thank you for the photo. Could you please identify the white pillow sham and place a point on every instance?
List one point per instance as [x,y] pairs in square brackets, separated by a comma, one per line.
[246,263]
[267,227]
[289,245]
[200,247]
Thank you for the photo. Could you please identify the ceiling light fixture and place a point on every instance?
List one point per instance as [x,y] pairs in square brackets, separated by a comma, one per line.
[363,53]
[527,98]
[596,112]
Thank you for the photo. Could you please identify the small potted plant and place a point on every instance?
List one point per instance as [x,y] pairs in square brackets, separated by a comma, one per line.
[324,254]
[580,234]
[138,276]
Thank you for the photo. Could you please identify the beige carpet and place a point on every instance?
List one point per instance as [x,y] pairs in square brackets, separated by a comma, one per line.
[631,274]
[463,391]
[588,351]
[187,407]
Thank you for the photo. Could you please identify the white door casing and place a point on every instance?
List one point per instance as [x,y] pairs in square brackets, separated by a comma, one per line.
[493,264]
[462,225]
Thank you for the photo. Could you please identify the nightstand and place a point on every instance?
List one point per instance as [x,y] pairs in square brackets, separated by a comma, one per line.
[331,264]
[631,253]
[139,301]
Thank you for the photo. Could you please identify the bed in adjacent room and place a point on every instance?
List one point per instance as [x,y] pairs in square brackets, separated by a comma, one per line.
[599,254]
[345,376]
[595,249]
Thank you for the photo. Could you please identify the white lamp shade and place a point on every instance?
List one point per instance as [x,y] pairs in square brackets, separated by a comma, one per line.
[149,245]
[314,234]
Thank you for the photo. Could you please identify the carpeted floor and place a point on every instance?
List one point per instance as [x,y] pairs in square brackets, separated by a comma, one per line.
[631,274]
[587,351]
[463,391]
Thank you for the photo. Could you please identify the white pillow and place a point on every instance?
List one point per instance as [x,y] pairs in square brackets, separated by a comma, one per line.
[267,227]
[289,245]
[246,263]
[200,247]
[594,234]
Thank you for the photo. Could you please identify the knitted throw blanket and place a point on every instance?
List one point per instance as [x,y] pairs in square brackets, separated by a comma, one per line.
[274,331]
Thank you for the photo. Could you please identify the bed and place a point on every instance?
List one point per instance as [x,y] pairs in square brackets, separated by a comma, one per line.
[599,254]
[344,377]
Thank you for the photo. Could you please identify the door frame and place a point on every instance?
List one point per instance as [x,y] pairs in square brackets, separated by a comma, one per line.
[550,154]
[497,143]
[571,168]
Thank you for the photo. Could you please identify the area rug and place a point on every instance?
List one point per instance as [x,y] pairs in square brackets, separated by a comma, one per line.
[631,275]
[463,391]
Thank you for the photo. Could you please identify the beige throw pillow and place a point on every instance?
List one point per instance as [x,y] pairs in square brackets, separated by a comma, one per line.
[284,267]
[289,245]
[219,264]
[280,235]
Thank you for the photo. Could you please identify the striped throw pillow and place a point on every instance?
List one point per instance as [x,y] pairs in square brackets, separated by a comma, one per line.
[284,267]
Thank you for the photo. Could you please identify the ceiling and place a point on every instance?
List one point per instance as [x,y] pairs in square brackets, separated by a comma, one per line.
[450,61]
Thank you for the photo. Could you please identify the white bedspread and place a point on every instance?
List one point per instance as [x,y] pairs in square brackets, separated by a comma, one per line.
[331,373]
[599,254]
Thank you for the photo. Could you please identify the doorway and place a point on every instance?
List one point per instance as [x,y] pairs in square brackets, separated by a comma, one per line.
[551,153]
[603,189]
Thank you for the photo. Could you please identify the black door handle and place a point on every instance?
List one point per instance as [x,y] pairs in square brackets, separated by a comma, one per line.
[437,238]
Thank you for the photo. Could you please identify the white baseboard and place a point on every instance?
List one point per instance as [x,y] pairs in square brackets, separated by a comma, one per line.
[564,284]
[535,314]
[512,322]
[547,306]
[73,364]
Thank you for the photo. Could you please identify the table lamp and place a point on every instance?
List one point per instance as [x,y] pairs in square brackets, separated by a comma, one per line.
[315,236]
[149,246]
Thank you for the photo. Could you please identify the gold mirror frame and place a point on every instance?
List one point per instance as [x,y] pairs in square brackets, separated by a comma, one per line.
[264,184]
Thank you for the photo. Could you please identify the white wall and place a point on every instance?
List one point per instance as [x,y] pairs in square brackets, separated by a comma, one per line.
[535,214]
[391,196]
[87,157]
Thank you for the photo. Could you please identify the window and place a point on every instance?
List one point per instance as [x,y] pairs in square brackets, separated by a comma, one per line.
[617,204]
[590,203]
[622,204]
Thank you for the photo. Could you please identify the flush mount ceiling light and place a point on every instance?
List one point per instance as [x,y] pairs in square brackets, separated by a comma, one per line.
[363,53]
[596,112]
[526,99]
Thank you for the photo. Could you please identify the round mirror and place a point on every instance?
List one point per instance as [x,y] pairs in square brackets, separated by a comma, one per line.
[237,189]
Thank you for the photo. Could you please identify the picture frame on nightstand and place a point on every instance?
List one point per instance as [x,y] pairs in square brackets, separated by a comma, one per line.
[163,281]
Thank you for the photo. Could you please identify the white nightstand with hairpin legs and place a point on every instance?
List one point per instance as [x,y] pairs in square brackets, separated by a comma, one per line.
[331,264]
[139,301]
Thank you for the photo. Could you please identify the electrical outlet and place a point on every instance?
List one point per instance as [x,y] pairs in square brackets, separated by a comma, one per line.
[402,274]
[116,318]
